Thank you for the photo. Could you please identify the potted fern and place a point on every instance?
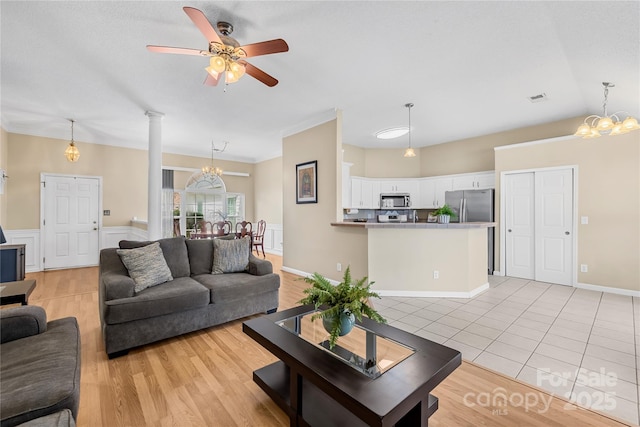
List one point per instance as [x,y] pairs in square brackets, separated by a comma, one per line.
[444,214]
[346,302]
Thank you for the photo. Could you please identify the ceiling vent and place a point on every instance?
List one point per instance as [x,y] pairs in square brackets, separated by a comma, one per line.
[538,98]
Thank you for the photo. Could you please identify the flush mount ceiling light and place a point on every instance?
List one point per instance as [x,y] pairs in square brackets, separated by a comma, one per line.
[409,151]
[594,125]
[212,171]
[71,153]
[392,133]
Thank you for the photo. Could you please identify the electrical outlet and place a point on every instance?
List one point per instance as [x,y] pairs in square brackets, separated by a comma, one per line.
[339,267]
[436,274]
[584,268]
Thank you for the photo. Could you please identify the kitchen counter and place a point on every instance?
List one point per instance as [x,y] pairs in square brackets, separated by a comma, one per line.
[426,259]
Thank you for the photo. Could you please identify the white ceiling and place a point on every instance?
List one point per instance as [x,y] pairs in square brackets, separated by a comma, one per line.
[467,66]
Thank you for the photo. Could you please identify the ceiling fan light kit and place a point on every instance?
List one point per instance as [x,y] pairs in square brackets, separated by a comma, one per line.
[227,57]
[594,126]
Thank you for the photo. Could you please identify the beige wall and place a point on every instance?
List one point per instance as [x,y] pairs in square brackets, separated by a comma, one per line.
[463,156]
[124,173]
[608,184]
[268,191]
[311,244]
[4,152]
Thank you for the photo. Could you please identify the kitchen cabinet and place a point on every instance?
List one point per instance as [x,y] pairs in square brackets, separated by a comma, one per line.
[474,181]
[365,193]
[432,192]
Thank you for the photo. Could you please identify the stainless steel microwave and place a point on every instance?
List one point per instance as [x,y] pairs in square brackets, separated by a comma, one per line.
[395,200]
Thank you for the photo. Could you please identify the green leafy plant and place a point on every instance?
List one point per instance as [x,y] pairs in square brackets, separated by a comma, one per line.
[347,296]
[445,210]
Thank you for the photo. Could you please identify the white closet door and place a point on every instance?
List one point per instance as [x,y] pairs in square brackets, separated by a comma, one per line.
[519,225]
[554,226]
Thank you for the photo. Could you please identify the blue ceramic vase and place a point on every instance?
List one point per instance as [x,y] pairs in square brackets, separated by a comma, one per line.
[347,320]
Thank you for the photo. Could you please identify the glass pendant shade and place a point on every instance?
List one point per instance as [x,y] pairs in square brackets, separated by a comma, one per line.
[630,124]
[237,69]
[604,123]
[217,64]
[71,153]
[409,152]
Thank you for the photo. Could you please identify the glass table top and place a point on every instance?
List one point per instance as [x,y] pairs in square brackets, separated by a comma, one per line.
[362,349]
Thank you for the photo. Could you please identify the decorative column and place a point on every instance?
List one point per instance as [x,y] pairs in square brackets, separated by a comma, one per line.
[154,192]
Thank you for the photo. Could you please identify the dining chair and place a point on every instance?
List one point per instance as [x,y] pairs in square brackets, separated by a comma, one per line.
[258,237]
[222,228]
[243,228]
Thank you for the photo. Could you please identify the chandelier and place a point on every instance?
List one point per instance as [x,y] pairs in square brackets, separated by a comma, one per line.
[71,153]
[409,151]
[594,126]
[211,172]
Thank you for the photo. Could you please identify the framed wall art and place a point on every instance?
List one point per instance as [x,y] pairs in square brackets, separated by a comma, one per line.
[307,182]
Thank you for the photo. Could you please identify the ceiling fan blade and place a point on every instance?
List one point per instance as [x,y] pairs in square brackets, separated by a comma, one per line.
[265,48]
[258,74]
[211,81]
[178,50]
[203,24]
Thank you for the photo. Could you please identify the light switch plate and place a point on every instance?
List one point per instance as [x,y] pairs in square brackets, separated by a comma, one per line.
[584,220]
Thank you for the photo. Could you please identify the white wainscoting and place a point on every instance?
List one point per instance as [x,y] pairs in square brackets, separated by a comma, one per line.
[273,239]
[109,238]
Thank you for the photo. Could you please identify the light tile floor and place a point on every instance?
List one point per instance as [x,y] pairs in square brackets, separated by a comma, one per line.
[579,344]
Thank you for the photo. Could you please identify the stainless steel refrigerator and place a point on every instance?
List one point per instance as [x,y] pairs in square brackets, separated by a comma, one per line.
[474,206]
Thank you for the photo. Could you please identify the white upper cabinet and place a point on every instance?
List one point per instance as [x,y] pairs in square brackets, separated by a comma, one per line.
[474,181]
[432,192]
[365,193]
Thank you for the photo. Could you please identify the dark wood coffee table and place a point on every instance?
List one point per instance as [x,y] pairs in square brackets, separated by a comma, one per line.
[16,292]
[377,375]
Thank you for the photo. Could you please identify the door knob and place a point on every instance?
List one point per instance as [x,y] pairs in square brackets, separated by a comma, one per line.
[95,228]
[566,233]
[509,230]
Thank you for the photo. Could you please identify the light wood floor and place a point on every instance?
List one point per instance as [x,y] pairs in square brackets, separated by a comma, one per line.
[204,378]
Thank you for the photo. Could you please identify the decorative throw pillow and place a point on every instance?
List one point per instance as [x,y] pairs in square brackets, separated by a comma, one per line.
[147,266]
[231,256]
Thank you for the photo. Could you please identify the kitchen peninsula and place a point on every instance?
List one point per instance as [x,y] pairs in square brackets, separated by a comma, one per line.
[426,259]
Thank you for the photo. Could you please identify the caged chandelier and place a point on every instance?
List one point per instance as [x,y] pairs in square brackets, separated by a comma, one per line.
[594,126]
[212,171]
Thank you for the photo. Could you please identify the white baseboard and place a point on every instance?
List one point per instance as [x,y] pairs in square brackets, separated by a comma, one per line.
[599,288]
[433,294]
[304,274]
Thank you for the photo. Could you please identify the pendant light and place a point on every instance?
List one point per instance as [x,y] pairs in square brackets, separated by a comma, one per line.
[594,125]
[71,153]
[409,151]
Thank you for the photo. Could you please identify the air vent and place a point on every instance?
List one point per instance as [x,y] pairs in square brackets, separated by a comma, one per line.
[538,98]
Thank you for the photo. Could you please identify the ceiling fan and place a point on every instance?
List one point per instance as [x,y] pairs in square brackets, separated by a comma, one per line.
[226,54]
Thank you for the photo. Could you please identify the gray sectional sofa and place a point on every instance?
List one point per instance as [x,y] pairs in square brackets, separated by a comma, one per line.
[39,368]
[194,299]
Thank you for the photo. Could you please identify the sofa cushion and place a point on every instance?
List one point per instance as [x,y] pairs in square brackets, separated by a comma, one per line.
[231,256]
[235,286]
[177,295]
[174,250]
[200,255]
[41,373]
[146,266]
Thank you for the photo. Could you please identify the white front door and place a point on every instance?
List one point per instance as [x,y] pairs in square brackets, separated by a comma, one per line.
[554,226]
[71,215]
[519,225]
